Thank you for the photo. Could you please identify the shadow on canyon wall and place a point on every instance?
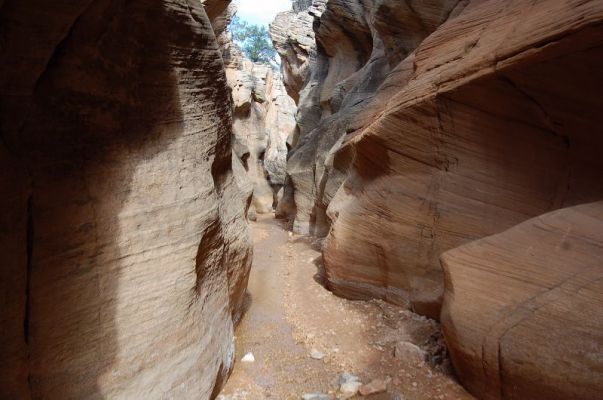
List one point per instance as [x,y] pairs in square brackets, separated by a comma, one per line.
[89,96]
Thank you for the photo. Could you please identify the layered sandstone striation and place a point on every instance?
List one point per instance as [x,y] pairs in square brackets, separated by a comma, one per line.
[523,309]
[264,119]
[439,126]
[425,128]
[294,39]
[123,232]
[357,44]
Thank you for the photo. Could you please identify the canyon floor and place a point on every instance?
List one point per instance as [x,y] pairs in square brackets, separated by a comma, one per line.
[291,317]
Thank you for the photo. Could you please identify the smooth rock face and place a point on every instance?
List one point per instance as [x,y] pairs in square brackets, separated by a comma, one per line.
[124,241]
[264,117]
[294,39]
[523,309]
[474,131]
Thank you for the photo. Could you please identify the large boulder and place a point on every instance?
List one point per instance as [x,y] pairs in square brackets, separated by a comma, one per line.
[523,309]
[124,240]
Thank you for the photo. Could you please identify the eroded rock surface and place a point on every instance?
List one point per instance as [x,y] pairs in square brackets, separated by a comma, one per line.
[484,135]
[424,129]
[357,44]
[264,118]
[123,233]
[523,309]
[431,127]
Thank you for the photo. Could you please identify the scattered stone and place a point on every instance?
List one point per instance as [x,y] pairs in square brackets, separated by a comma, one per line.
[349,389]
[374,387]
[317,355]
[349,385]
[248,358]
[347,377]
[316,396]
[382,396]
[410,352]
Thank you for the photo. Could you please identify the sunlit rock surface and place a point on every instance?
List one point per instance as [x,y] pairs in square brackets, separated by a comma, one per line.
[124,240]
[422,129]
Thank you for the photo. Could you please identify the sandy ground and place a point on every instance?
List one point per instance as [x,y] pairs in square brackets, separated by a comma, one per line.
[290,314]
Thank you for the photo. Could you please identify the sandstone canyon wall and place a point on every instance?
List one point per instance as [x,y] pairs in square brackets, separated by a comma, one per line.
[540,337]
[264,119]
[438,136]
[123,233]
[424,126]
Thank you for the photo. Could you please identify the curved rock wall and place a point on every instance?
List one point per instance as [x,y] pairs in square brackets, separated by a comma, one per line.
[480,139]
[419,150]
[264,120]
[523,309]
[357,44]
[424,126]
[123,232]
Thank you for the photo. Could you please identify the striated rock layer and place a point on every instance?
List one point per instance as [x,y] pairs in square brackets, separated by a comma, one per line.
[523,309]
[124,241]
[436,126]
[425,128]
[264,119]
[358,43]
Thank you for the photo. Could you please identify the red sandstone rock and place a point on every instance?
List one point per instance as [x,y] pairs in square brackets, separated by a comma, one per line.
[488,118]
[374,387]
[523,310]
[495,121]
[125,246]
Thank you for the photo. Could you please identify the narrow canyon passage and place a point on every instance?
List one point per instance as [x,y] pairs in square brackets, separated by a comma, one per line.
[303,338]
[301,199]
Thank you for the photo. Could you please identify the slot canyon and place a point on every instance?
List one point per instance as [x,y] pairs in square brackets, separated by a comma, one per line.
[406,205]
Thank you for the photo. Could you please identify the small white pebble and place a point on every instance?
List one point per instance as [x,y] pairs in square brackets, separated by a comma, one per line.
[317,355]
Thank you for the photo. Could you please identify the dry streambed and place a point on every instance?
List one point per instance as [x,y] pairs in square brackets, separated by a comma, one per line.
[308,343]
